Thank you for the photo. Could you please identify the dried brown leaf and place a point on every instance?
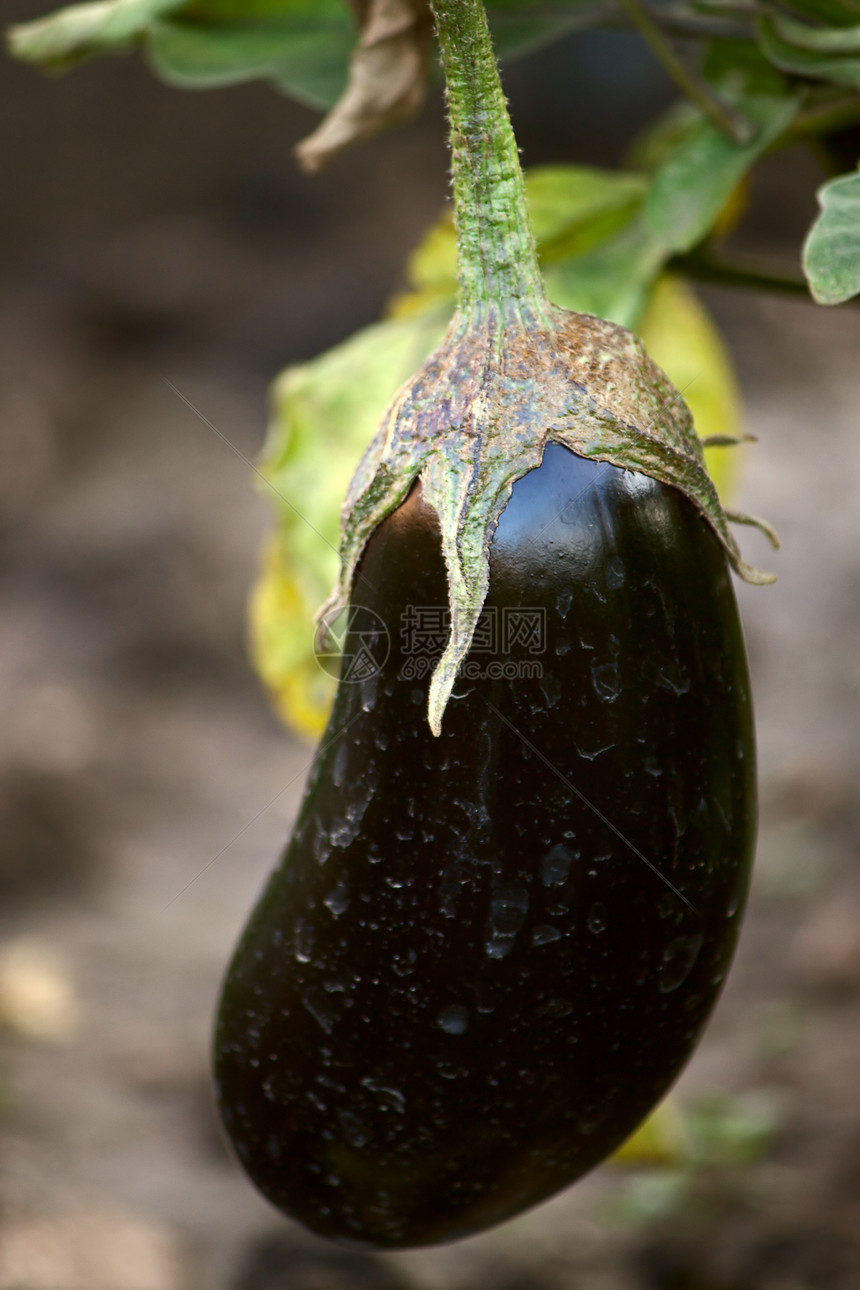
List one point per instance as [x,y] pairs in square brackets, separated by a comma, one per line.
[386,82]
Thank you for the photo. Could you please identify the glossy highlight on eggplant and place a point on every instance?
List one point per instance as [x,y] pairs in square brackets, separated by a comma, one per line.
[485,957]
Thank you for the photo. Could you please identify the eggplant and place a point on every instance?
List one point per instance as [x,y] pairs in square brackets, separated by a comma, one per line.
[486,956]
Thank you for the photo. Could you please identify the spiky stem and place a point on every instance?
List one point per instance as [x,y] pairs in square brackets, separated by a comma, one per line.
[499,276]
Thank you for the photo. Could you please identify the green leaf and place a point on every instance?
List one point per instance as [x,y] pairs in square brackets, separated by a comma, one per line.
[831,255]
[563,200]
[697,178]
[827,54]
[81,31]
[824,40]
[661,137]
[302,46]
[612,280]
[306,56]
[837,13]
[741,65]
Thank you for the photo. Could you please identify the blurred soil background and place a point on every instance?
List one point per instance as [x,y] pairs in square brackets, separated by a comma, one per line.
[148,235]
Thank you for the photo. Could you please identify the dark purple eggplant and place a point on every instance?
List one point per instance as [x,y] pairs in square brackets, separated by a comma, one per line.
[486,956]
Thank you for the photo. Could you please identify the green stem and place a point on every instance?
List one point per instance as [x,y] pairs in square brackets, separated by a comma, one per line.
[498,270]
[722,116]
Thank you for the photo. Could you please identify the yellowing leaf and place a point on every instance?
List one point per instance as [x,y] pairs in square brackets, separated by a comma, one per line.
[680,336]
[280,619]
[325,414]
[660,1140]
[431,272]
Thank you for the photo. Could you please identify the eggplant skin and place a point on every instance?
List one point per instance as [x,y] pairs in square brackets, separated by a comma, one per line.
[486,956]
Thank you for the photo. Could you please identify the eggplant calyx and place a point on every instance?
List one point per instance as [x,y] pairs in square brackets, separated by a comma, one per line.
[477,416]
